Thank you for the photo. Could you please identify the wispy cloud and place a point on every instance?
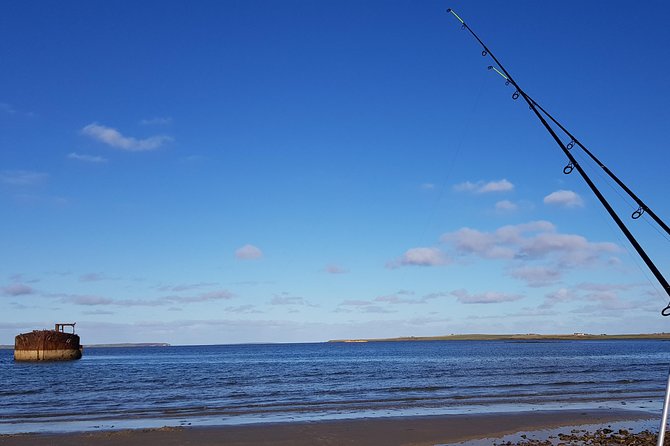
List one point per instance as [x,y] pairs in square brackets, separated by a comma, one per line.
[87,158]
[537,276]
[335,269]
[421,256]
[380,303]
[404,297]
[41,200]
[186,286]
[564,198]
[157,121]
[92,277]
[506,206]
[483,187]
[98,312]
[243,309]
[287,300]
[558,296]
[22,177]
[89,300]
[248,252]
[17,289]
[114,138]
[203,297]
[362,306]
[489,297]
[355,303]
[20,277]
[605,294]
[427,186]
[8,109]
[94,300]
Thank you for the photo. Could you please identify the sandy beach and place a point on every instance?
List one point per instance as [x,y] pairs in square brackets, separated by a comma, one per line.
[415,431]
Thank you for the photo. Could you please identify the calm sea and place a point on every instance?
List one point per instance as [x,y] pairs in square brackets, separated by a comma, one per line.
[230,384]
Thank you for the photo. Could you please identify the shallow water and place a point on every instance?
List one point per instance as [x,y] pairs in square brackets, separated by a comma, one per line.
[232,384]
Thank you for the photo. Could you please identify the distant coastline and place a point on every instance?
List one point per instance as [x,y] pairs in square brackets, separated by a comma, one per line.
[514,337]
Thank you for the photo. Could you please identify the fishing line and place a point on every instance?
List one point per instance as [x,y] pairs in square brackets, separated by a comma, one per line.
[633,258]
[454,157]
[642,207]
[626,198]
[573,164]
[655,227]
[540,113]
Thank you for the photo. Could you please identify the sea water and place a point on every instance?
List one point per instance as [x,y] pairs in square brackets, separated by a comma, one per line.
[235,384]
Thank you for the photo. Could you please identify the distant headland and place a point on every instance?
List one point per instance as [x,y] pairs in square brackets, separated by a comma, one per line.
[515,337]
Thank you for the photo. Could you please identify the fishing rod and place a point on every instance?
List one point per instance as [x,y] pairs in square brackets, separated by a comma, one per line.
[573,164]
[642,207]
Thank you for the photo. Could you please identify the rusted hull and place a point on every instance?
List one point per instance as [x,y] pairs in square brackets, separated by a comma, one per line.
[46,345]
[46,355]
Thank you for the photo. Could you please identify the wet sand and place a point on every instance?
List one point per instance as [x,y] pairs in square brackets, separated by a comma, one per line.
[406,431]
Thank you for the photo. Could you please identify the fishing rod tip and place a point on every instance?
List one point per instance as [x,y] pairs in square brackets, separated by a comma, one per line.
[448,9]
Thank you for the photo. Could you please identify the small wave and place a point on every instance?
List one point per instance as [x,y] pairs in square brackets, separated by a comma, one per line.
[20,392]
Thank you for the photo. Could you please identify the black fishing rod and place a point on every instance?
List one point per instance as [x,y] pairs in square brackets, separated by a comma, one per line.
[573,164]
[642,207]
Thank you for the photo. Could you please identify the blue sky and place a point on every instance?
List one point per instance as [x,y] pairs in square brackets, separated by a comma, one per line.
[255,171]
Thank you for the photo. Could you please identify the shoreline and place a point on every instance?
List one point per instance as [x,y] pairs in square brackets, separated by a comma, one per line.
[417,431]
[515,337]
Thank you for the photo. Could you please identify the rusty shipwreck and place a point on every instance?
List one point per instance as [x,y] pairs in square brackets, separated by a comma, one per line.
[48,345]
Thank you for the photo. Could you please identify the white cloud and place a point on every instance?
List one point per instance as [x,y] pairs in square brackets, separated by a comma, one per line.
[483,244]
[114,138]
[86,158]
[564,198]
[157,121]
[17,289]
[428,186]
[572,250]
[482,187]
[489,297]
[496,186]
[506,206]
[419,257]
[22,177]
[248,252]
[523,246]
[534,240]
